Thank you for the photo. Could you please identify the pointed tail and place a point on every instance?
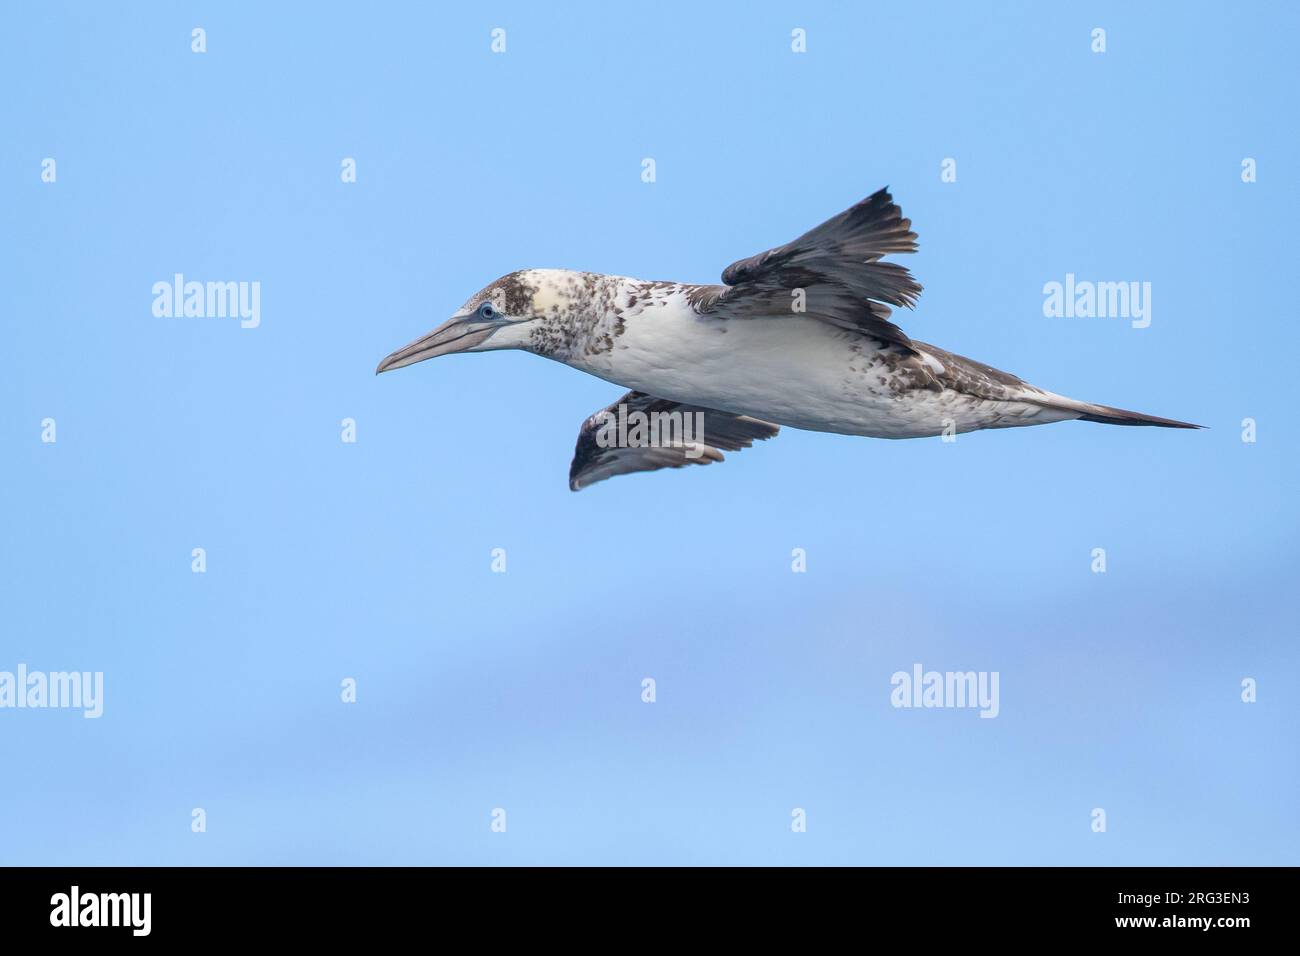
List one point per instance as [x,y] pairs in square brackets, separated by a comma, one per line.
[1105,414]
[1122,416]
[1088,412]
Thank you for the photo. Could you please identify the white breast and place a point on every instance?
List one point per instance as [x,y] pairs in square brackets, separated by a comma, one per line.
[790,370]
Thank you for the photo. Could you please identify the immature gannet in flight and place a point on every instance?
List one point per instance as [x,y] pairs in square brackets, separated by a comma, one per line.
[799,335]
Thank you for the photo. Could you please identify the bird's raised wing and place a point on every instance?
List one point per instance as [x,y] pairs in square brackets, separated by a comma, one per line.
[838,267]
[642,433]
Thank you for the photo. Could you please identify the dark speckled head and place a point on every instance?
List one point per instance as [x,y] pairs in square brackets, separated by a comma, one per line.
[512,294]
[553,312]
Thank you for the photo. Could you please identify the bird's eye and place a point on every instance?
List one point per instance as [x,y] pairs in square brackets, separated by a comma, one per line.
[487,310]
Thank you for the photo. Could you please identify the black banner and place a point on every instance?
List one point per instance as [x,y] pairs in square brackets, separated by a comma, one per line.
[334,904]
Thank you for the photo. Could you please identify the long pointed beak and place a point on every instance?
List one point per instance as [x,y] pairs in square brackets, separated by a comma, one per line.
[455,335]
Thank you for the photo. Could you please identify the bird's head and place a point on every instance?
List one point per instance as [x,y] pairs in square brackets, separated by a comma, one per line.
[498,316]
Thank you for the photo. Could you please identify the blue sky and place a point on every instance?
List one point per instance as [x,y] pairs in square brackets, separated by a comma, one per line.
[371,560]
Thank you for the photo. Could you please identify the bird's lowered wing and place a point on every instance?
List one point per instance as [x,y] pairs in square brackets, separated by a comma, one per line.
[838,267]
[642,433]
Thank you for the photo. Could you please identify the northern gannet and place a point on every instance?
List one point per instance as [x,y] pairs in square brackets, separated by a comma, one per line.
[799,335]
